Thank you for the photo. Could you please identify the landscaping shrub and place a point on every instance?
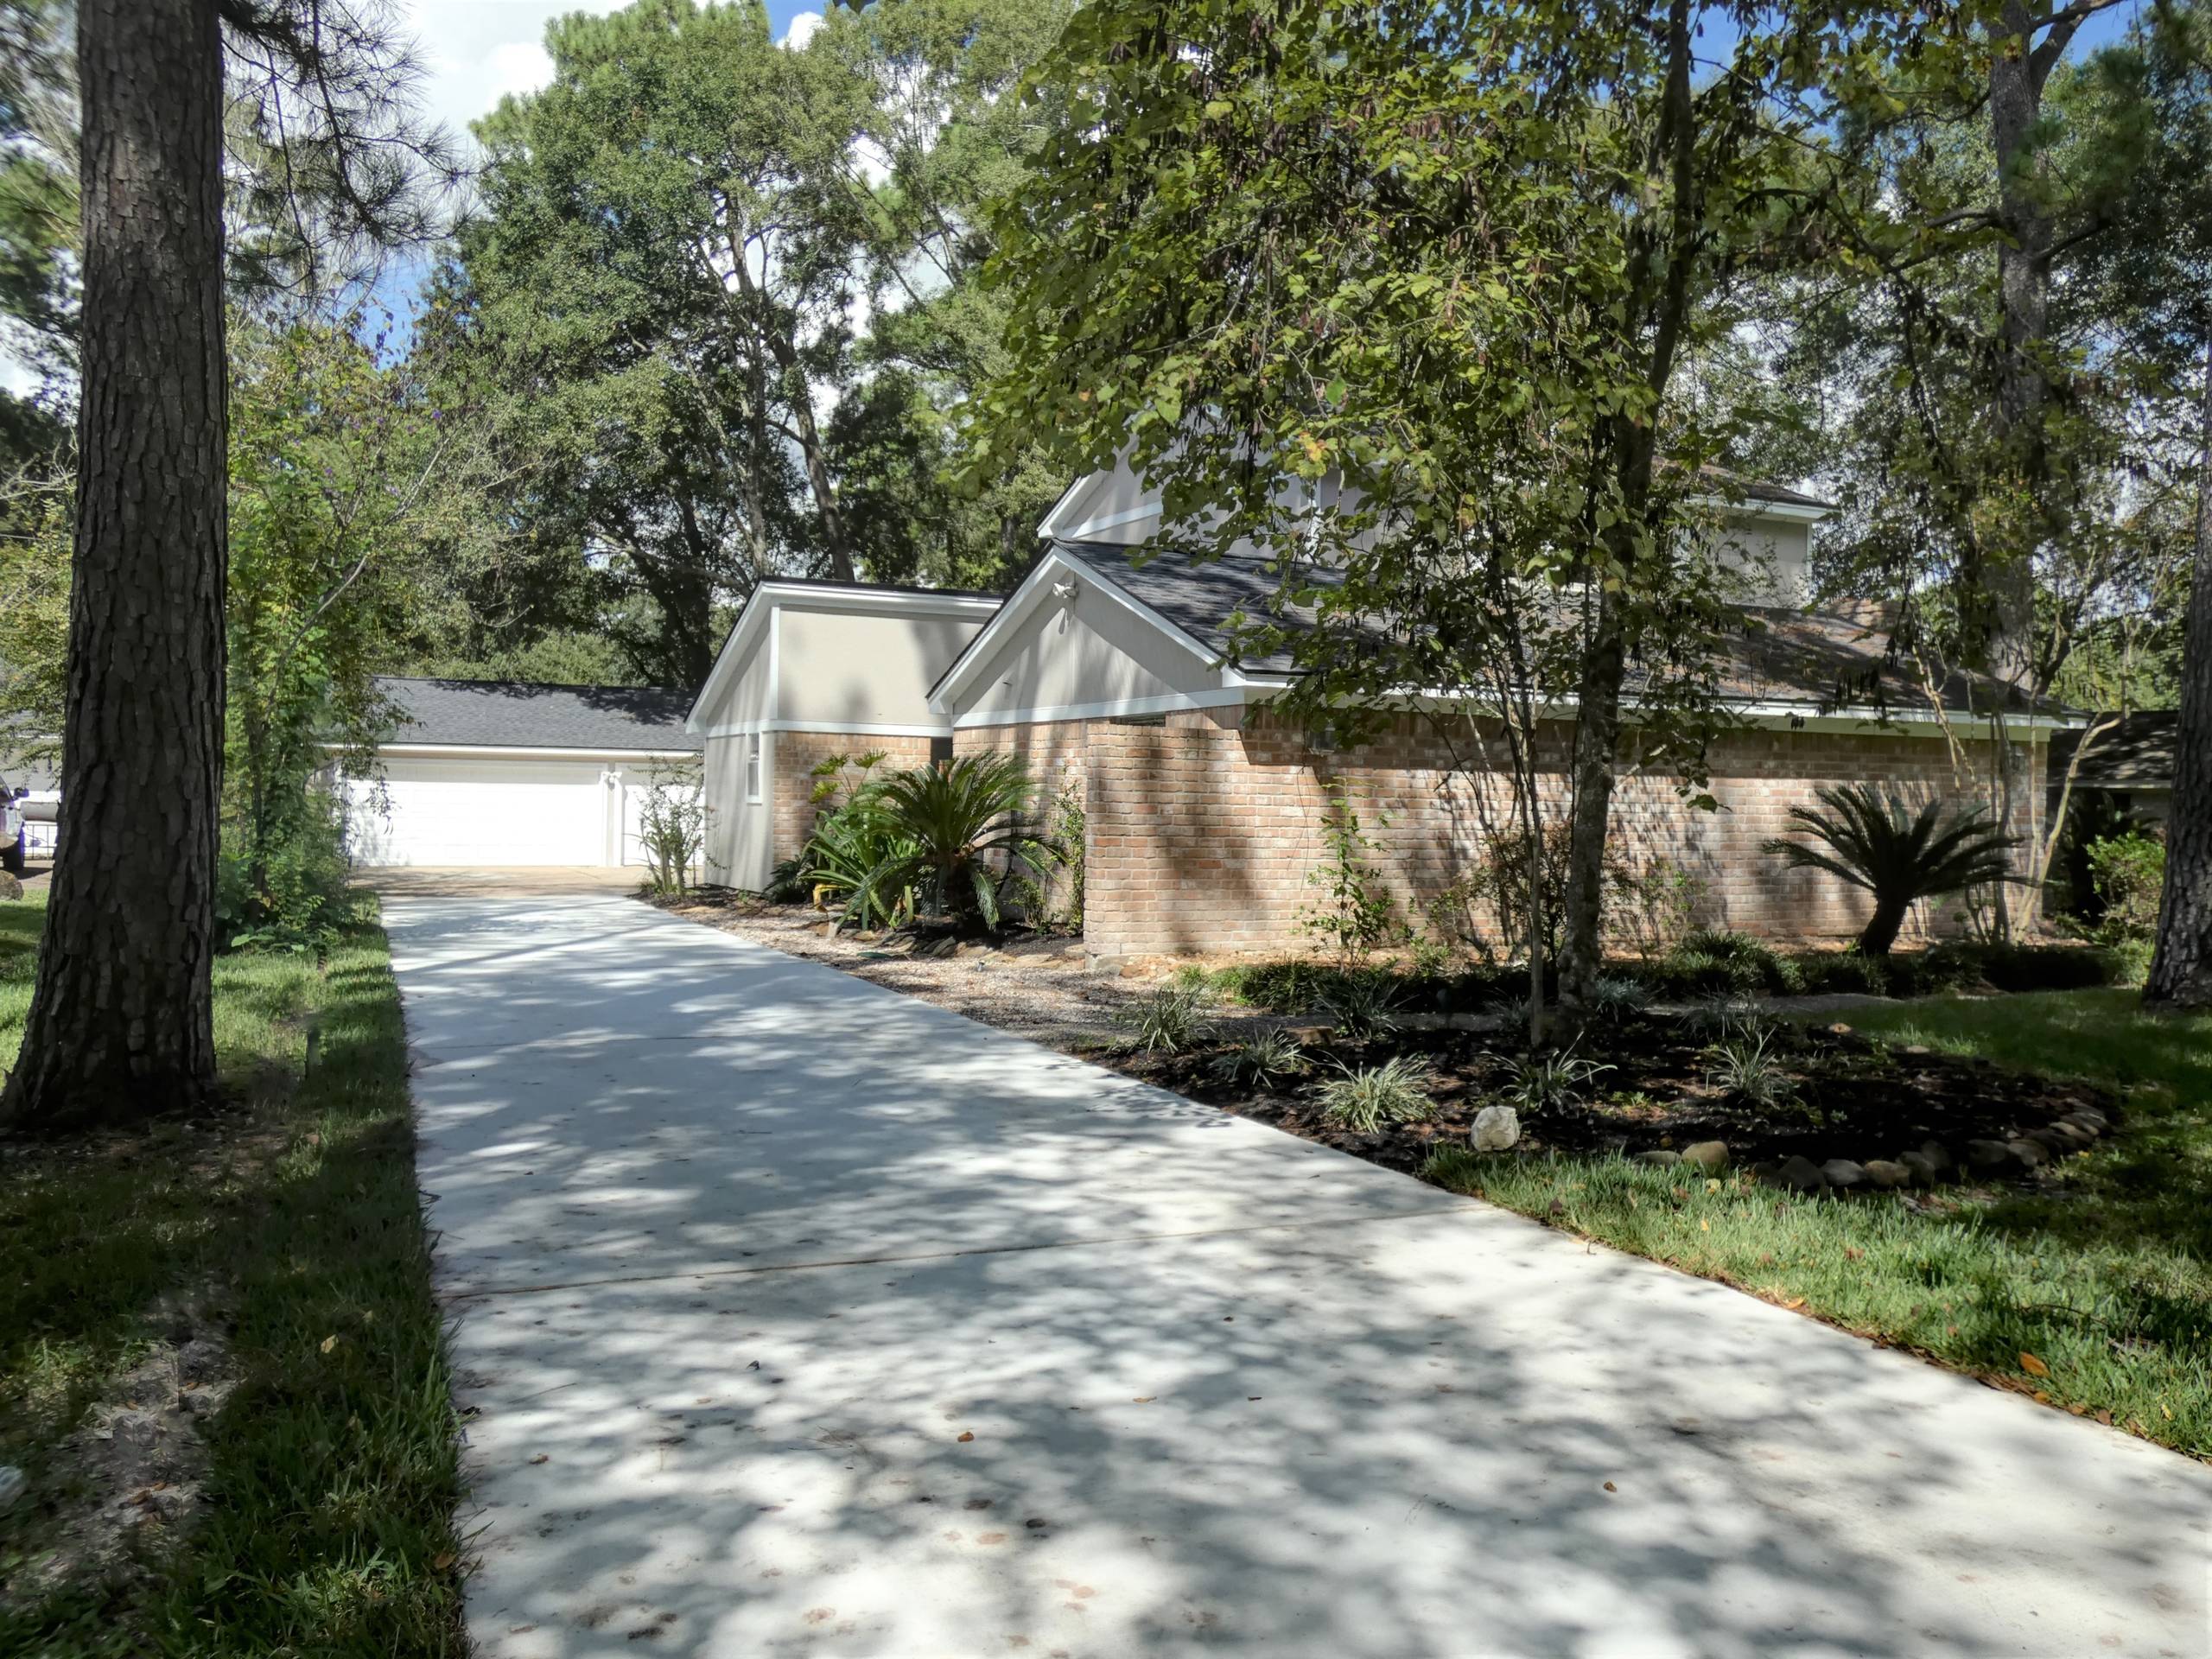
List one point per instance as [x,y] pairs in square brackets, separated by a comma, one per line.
[1823,971]
[1354,915]
[1649,905]
[298,899]
[1361,1007]
[1396,1091]
[1710,961]
[1543,1083]
[1615,997]
[1261,1062]
[672,824]
[1958,964]
[1169,1021]
[2128,873]
[1747,1067]
[960,836]
[1876,842]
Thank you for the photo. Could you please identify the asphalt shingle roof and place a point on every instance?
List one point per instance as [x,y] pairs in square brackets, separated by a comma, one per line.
[516,714]
[2136,753]
[1837,657]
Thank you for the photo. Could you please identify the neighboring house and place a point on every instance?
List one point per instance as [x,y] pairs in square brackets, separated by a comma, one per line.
[496,773]
[1205,809]
[2127,762]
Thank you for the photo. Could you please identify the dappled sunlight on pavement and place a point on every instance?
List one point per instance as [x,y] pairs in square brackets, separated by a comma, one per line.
[798,1317]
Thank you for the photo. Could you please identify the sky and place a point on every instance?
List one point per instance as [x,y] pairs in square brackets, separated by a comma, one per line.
[478,51]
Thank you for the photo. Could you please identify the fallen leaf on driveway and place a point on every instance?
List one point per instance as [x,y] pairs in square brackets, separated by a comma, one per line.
[2033,1366]
[966,1434]
[1610,1487]
[542,1458]
[1143,1400]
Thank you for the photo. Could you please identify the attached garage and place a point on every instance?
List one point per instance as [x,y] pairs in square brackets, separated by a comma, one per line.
[483,773]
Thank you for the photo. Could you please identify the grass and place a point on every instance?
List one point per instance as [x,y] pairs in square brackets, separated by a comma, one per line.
[2095,1295]
[327,1527]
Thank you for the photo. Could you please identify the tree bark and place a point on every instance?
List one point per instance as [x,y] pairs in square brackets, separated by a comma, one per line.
[121,1023]
[2181,966]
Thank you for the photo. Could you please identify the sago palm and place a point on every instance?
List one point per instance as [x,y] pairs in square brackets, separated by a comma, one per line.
[961,830]
[1876,842]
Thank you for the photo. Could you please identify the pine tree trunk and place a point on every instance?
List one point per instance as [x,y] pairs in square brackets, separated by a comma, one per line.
[120,1022]
[2181,969]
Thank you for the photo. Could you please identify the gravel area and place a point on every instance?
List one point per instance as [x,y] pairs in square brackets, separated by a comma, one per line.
[1043,990]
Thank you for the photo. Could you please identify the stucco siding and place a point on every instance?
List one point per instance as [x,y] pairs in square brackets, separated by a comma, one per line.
[1096,651]
[739,836]
[864,670]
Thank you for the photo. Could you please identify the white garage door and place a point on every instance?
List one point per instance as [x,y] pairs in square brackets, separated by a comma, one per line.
[482,812]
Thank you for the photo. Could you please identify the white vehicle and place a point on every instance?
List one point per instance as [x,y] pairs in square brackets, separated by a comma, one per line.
[11,829]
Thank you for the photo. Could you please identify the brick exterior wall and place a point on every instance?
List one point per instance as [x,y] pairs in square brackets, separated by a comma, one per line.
[1202,836]
[791,805]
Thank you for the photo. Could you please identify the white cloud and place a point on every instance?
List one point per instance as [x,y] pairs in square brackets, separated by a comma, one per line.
[801,30]
[476,51]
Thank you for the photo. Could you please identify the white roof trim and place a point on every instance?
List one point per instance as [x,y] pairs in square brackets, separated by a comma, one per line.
[519,752]
[829,728]
[1166,703]
[774,596]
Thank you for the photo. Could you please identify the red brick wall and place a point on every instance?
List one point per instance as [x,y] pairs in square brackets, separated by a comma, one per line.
[1202,838]
[792,789]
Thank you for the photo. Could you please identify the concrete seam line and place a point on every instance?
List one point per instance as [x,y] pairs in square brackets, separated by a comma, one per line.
[947,1255]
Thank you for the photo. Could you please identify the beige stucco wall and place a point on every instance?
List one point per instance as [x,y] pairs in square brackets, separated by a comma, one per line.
[748,698]
[740,836]
[864,670]
[1092,651]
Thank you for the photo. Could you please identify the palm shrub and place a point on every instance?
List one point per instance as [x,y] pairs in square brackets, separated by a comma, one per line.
[961,833]
[1876,842]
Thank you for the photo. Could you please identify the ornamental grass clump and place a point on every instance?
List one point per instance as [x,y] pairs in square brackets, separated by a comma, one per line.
[1261,1062]
[1366,1098]
[1172,1019]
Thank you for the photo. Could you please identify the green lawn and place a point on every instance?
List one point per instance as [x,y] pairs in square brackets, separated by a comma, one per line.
[328,1527]
[2095,1293]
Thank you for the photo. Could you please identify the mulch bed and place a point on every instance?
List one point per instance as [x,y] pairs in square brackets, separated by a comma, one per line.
[1853,1098]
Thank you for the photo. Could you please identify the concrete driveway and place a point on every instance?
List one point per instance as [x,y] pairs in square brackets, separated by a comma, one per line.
[797,1316]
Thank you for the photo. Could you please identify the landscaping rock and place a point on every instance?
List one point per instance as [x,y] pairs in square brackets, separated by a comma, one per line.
[1497,1129]
[1938,1155]
[1842,1174]
[1798,1174]
[1707,1155]
[2073,1135]
[1660,1158]
[2030,1152]
[1883,1173]
[2092,1124]
[1921,1169]
[1993,1157]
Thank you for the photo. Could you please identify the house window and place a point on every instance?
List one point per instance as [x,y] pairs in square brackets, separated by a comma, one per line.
[940,751]
[753,768]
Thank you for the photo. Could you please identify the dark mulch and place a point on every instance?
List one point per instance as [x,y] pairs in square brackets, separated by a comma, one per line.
[1853,1097]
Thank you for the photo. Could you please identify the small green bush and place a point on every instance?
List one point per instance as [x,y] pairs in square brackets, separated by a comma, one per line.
[1545,1082]
[1261,1062]
[1361,1007]
[2128,873]
[1747,1066]
[1170,1020]
[1396,1091]
[1616,998]
[1825,971]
